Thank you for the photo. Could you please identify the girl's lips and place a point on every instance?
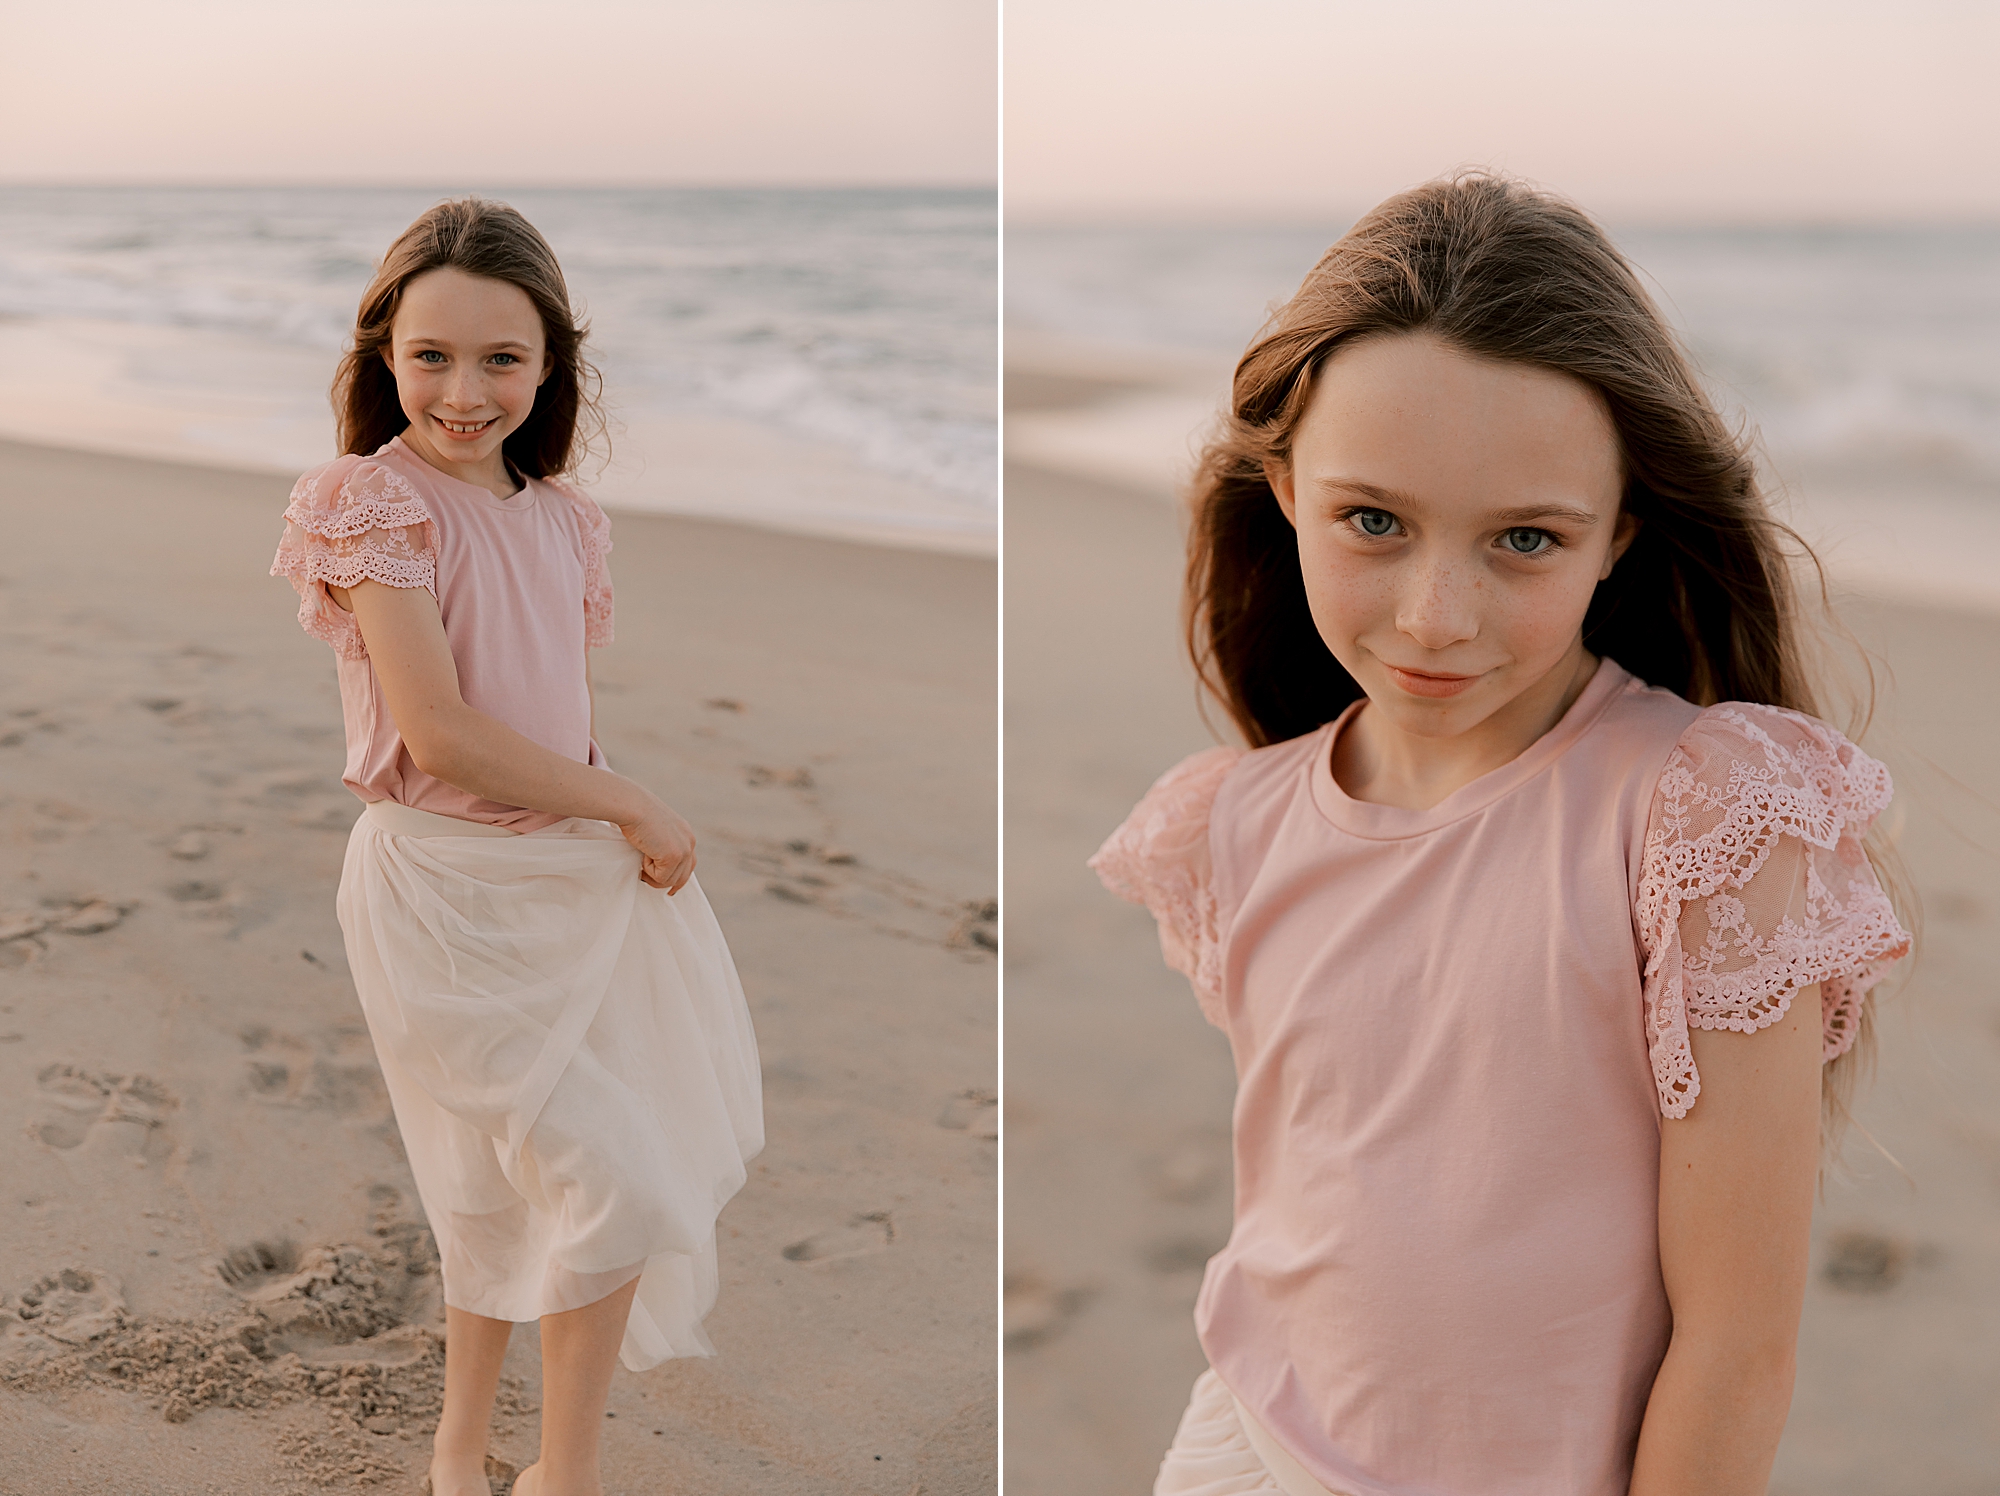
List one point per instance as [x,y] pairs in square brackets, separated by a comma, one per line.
[1429,685]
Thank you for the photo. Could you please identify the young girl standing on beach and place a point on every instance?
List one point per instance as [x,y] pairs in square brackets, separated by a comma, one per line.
[1537,913]
[557,1017]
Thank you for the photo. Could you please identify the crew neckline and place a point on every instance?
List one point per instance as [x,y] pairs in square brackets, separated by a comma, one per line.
[513,503]
[1394,822]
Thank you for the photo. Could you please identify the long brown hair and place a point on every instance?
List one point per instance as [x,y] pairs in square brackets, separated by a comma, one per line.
[1702,603]
[493,240]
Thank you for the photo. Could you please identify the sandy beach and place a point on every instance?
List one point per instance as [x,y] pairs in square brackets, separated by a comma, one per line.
[1118,1094]
[214,1274]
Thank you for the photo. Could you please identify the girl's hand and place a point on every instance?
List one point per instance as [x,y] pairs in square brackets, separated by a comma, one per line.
[666,842]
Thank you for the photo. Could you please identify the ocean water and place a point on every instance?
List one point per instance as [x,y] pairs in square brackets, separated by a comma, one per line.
[1837,344]
[1865,361]
[855,328]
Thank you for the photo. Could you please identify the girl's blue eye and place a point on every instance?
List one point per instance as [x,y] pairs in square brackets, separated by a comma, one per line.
[507,356]
[428,354]
[1527,542]
[1376,522]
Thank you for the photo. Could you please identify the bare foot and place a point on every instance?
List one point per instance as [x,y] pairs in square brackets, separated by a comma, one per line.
[529,1483]
[459,1475]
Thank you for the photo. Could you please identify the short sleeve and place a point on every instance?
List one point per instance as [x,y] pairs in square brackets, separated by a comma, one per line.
[1160,858]
[593,527]
[1754,884]
[353,520]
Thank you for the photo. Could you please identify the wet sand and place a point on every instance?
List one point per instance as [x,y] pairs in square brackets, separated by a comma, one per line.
[213,1270]
[1118,1094]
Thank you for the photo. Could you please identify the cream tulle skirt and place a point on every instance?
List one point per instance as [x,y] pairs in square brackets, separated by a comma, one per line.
[570,1060]
[1219,1450]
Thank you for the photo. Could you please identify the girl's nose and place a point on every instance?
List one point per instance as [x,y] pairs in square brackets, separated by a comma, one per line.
[464,390]
[1439,608]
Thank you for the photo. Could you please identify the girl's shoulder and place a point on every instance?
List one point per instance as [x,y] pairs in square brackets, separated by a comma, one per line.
[1755,885]
[1159,857]
[592,523]
[1166,833]
[1776,764]
[355,493]
[593,535]
[1165,839]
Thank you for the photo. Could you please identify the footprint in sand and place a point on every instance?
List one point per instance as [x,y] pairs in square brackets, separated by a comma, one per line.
[121,1116]
[974,1112]
[55,820]
[248,1269]
[863,1233]
[87,916]
[72,1307]
[337,1073]
[1863,1261]
[837,882]
[759,775]
[189,846]
[1033,1309]
[26,720]
[977,926]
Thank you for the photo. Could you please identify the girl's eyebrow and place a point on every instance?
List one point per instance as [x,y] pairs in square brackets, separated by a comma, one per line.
[503,344]
[1391,498]
[1387,497]
[1533,512]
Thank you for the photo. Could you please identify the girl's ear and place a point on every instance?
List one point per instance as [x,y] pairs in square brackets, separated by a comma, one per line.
[1279,476]
[548,368]
[1622,535]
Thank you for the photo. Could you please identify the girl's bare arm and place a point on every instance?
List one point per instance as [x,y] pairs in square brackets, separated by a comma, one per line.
[451,741]
[1737,1178]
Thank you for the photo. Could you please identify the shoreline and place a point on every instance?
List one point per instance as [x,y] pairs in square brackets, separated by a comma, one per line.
[886,536]
[220,400]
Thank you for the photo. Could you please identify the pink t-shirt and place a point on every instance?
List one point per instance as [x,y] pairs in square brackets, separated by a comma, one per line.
[1456,1031]
[521,585]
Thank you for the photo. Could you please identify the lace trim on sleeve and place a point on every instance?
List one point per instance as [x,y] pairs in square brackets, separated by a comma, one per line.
[1159,858]
[594,529]
[1754,885]
[369,526]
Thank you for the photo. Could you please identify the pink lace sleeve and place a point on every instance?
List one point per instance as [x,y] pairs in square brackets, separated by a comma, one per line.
[594,529]
[1159,857]
[353,521]
[1754,885]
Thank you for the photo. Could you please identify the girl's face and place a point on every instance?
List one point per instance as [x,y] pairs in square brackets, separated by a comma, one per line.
[468,353]
[1454,515]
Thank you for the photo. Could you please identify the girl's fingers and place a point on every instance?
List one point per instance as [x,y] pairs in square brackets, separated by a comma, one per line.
[657,872]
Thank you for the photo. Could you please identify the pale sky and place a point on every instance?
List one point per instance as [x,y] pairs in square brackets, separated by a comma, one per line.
[1730,109]
[698,92]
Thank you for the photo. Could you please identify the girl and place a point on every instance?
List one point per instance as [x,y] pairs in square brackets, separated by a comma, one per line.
[1537,914]
[557,1016]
